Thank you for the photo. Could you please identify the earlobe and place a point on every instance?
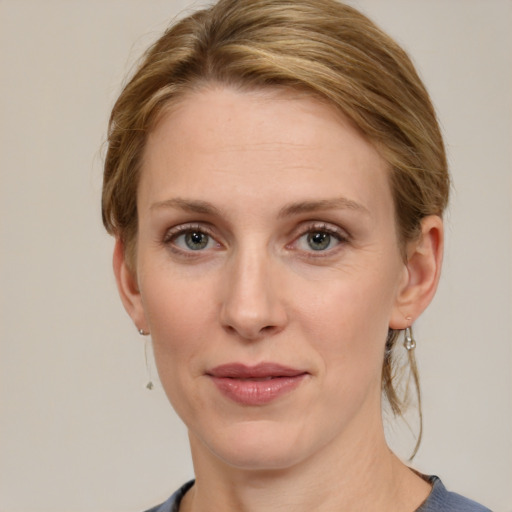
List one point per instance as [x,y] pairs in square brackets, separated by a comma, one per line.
[423,267]
[128,287]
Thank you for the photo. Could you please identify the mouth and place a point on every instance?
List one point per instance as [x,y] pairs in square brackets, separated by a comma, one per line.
[255,385]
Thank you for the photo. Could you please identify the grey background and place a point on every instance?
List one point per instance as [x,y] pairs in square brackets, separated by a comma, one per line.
[78,431]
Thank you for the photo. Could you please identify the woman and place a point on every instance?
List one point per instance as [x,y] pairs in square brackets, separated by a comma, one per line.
[275,181]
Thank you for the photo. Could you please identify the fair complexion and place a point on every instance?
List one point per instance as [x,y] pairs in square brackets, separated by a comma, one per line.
[267,237]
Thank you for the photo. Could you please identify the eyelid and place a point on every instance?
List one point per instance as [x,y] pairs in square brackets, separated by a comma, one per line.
[171,233]
[328,227]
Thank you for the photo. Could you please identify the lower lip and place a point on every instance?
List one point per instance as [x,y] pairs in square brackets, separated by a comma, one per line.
[256,392]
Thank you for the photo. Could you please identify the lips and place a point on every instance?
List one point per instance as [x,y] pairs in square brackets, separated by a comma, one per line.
[255,385]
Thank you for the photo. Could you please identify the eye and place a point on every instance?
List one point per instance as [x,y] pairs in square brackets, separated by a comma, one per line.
[320,239]
[193,240]
[190,238]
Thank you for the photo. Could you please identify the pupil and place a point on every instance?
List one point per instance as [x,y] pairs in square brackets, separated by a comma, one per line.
[319,241]
[196,241]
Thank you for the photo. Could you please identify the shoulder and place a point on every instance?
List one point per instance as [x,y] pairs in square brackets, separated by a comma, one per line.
[441,500]
[173,503]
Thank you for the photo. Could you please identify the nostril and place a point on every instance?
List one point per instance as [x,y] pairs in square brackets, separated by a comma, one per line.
[251,333]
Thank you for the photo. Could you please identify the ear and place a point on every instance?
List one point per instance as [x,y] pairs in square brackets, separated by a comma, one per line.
[128,287]
[422,272]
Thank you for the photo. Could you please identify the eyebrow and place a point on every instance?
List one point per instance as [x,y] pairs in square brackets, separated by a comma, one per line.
[187,205]
[338,203]
[206,208]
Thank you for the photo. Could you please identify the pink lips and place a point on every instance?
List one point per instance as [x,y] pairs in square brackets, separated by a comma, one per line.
[255,385]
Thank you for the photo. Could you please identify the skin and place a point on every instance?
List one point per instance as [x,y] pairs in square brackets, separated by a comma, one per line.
[259,174]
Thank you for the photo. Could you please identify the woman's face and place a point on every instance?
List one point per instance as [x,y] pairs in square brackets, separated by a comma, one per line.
[268,273]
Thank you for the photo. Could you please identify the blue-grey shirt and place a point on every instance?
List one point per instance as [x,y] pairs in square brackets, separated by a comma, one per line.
[439,500]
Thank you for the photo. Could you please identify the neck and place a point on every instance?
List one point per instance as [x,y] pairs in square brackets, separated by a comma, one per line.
[361,475]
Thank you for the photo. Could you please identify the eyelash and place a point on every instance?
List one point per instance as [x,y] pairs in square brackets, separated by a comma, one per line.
[339,235]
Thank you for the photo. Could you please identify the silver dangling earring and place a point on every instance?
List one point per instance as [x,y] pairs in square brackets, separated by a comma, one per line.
[409,342]
[147,346]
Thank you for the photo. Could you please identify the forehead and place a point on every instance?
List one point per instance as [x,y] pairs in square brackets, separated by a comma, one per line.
[226,140]
[259,112]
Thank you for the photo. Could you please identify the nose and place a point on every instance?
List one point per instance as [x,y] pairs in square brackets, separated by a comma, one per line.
[252,305]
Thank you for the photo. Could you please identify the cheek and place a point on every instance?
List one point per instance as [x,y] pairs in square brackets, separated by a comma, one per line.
[348,322]
[180,337]
[178,316]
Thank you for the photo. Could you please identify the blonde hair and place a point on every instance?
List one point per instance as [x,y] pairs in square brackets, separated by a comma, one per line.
[322,47]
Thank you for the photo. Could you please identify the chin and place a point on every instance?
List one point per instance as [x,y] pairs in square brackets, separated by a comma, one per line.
[259,458]
[257,446]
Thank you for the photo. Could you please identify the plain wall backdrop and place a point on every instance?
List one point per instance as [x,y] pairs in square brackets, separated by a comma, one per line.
[78,431]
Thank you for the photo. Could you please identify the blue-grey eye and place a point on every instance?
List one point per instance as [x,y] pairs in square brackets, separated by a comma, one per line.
[195,240]
[319,240]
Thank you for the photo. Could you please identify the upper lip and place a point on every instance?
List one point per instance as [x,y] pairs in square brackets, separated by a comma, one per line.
[262,370]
